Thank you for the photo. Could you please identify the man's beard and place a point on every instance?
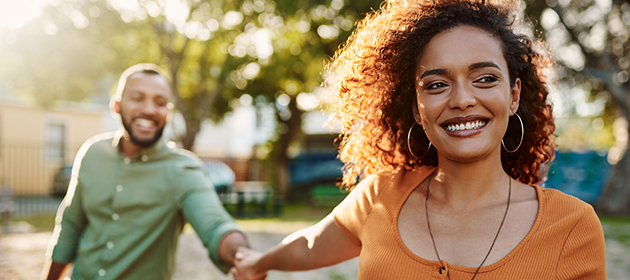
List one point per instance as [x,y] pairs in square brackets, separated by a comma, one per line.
[135,140]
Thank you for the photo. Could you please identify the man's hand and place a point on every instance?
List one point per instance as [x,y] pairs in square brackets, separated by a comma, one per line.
[229,245]
[55,270]
[245,265]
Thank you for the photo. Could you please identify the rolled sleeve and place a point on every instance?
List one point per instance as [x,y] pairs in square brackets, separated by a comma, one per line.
[206,214]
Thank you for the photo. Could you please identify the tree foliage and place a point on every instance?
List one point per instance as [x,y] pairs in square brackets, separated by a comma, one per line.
[590,43]
[214,50]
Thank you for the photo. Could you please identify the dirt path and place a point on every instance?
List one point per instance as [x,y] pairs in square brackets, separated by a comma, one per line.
[22,256]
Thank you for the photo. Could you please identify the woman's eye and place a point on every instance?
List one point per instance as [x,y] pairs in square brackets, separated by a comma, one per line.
[435,85]
[487,79]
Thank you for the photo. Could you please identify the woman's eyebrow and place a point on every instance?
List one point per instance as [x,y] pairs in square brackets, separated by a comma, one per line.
[478,65]
[484,64]
[438,71]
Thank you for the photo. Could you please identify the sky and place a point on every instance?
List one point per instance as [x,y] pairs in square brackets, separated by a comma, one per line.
[15,13]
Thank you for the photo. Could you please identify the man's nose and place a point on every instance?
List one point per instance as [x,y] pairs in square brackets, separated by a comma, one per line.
[148,107]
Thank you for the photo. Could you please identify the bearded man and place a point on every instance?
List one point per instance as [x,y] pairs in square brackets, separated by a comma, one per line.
[131,193]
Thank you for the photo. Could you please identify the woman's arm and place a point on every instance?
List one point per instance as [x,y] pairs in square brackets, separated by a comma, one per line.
[321,245]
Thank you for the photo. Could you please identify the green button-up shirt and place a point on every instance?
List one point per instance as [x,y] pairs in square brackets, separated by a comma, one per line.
[122,216]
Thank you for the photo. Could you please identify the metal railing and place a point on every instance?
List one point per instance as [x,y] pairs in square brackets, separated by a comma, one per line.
[28,173]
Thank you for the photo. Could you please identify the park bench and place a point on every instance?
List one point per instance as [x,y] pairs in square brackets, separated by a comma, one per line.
[241,194]
[327,194]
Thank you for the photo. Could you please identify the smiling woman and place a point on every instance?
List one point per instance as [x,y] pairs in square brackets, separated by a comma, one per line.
[444,117]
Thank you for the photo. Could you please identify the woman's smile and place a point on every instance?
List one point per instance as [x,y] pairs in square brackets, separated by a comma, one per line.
[464,94]
[464,126]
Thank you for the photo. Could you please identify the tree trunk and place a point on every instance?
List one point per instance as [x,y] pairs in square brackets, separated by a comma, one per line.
[192,128]
[293,125]
[616,197]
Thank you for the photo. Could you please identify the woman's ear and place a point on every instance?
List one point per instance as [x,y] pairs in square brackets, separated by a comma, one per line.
[515,96]
[416,112]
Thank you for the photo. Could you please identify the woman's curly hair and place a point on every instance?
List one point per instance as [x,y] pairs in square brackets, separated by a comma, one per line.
[369,86]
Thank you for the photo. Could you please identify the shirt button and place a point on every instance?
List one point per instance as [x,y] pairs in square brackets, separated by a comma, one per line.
[110,245]
[115,217]
[442,270]
[127,160]
[119,188]
[144,158]
[101,272]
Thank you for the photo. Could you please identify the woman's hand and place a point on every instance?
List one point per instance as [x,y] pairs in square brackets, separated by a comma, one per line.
[245,265]
[320,245]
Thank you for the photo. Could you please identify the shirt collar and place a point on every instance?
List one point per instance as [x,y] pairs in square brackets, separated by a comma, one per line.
[144,154]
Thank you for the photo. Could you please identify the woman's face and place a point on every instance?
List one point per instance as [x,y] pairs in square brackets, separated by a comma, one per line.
[464,94]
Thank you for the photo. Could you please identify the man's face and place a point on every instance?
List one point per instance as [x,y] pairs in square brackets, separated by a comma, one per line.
[144,108]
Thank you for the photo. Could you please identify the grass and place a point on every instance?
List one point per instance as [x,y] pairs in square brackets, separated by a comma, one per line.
[41,222]
[298,216]
[293,217]
[617,228]
[614,220]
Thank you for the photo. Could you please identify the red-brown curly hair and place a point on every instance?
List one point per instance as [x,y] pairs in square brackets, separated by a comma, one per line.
[369,86]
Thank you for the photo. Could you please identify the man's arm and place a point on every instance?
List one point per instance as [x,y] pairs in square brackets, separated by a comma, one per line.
[69,225]
[205,213]
[55,270]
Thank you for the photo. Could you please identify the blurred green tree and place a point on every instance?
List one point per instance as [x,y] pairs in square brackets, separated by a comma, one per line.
[307,33]
[590,43]
[214,50]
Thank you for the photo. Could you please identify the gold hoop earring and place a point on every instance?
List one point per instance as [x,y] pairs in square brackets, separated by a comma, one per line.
[522,136]
[409,143]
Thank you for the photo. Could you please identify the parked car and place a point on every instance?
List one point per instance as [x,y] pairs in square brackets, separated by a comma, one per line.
[309,169]
[219,174]
[61,181]
[313,178]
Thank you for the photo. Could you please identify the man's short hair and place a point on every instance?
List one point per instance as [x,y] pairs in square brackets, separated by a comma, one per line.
[148,68]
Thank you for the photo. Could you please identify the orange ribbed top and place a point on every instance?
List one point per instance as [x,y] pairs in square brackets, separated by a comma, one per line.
[565,242]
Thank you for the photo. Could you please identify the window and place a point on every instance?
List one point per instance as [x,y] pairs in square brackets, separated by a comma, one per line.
[55,143]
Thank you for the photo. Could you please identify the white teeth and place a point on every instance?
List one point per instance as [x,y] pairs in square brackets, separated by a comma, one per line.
[465,126]
[145,123]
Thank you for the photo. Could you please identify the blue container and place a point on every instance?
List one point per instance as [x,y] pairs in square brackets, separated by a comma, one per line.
[581,174]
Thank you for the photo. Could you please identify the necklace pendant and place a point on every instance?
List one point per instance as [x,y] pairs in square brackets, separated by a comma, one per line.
[426,209]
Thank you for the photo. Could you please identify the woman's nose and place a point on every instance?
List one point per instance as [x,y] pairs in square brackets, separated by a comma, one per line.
[462,97]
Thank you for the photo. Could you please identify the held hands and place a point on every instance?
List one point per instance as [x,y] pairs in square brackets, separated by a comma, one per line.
[244,265]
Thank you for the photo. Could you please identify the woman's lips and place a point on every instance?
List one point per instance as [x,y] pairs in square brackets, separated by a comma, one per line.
[465,126]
